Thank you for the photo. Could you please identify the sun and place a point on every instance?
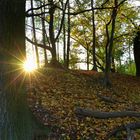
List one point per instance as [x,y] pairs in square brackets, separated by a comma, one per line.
[29,65]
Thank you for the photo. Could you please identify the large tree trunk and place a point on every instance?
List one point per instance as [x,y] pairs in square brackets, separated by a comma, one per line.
[15,117]
[137,53]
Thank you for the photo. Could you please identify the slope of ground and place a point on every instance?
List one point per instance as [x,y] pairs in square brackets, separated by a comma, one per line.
[54,96]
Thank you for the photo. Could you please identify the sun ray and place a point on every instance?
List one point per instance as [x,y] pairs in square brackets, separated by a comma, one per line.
[29,65]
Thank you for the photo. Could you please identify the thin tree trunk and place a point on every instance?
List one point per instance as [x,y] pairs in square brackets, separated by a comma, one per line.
[43,34]
[58,49]
[113,69]
[93,37]
[64,43]
[110,46]
[34,36]
[51,31]
[87,57]
[68,39]
[58,38]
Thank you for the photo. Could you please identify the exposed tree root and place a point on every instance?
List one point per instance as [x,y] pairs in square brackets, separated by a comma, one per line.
[108,99]
[105,115]
[128,127]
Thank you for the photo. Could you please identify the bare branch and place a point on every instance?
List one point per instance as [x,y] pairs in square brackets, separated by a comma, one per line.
[62,20]
[37,8]
[39,45]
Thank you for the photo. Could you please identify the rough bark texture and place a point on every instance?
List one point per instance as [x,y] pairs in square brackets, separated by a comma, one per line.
[12,50]
[15,117]
[137,53]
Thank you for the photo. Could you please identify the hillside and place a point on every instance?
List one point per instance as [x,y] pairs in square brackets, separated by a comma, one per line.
[67,103]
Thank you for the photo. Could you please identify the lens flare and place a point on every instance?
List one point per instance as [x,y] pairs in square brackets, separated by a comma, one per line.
[29,65]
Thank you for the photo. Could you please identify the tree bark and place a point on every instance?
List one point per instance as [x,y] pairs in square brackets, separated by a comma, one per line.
[43,34]
[13,126]
[15,118]
[113,68]
[51,32]
[34,36]
[64,43]
[137,53]
[105,115]
[109,46]
[68,39]
[93,37]
[87,57]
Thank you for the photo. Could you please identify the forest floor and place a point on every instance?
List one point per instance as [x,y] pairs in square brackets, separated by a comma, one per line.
[54,95]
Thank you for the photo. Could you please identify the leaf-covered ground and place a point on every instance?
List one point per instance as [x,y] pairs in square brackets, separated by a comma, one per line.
[53,96]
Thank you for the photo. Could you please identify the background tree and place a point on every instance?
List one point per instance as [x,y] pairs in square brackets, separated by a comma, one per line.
[51,10]
[34,34]
[137,52]
[93,36]
[68,38]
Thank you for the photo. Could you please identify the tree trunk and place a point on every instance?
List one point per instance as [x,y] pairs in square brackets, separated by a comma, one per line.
[68,40]
[51,32]
[113,64]
[87,57]
[14,124]
[93,38]
[64,43]
[43,34]
[109,47]
[34,36]
[137,53]
[15,118]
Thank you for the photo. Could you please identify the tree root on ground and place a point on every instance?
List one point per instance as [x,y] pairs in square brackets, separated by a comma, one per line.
[108,99]
[127,127]
[105,115]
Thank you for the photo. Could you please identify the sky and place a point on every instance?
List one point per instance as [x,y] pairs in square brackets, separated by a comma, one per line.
[136,2]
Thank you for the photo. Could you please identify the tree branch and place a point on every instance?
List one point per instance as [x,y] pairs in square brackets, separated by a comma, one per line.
[37,8]
[62,21]
[39,45]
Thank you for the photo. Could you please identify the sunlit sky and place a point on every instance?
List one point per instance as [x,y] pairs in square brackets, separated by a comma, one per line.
[136,2]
